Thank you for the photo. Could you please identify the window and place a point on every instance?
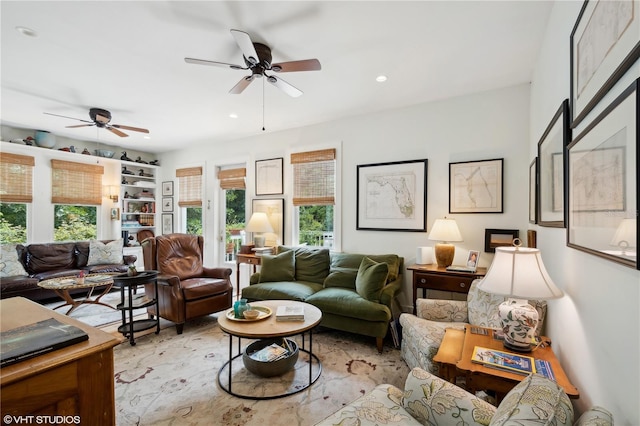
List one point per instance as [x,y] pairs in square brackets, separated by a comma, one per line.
[232,182]
[190,198]
[16,190]
[314,177]
[75,223]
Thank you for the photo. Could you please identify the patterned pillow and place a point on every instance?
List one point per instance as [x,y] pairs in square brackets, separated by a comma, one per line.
[105,254]
[9,264]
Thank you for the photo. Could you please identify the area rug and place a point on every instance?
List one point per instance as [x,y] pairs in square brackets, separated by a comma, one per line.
[171,379]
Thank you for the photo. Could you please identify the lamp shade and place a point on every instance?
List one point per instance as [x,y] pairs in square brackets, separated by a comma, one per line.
[445,230]
[259,222]
[625,235]
[518,272]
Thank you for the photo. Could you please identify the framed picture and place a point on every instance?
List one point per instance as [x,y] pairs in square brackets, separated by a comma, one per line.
[476,186]
[551,169]
[533,191]
[498,238]
[167,188]
[392,196]
[604,45]
[473,258]
[603,183]
[274,208]
[167,223]
[167,204]
[269,176]
[115,213]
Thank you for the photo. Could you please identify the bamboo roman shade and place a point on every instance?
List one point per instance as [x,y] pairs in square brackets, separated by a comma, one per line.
[190,186]
[76,183]
[16,172]
[314,177]
[232,178]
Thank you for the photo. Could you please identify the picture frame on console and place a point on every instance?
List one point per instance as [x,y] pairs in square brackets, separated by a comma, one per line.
[603,177]
[552,169]
[604,45]
[270,176]
[499,238]
[392,196]
[476,186]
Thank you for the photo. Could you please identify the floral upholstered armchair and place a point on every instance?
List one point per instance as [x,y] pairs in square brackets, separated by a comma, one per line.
[422,333]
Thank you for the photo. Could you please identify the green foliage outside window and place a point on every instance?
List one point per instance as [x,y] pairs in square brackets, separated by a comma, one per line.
[194,220]
[13,223]
[235,211]
[75,223]
[316,224]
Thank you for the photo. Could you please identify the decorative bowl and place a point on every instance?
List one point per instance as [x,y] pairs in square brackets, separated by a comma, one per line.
[45,139]
[251,314]
[104,153]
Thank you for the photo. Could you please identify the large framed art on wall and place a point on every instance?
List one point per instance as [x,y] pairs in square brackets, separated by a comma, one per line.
[476,186]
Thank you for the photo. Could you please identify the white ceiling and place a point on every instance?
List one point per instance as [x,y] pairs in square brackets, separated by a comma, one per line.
[128,58]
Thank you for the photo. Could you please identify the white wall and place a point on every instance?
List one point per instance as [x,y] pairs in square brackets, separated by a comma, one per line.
[595,327]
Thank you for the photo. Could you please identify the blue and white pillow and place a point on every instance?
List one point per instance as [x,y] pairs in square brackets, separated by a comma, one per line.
[105,254]
[9,264]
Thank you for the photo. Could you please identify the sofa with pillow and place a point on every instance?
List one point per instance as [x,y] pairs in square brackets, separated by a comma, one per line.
[22,267]
[355,292]
[429,400]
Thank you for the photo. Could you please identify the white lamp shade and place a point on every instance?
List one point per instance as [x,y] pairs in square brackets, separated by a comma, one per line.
[518,272]
[445,230]
[259,222]
[626,234]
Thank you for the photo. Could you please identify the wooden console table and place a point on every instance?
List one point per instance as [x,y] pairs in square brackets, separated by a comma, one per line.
[249,259]
[432,277]
[72,381]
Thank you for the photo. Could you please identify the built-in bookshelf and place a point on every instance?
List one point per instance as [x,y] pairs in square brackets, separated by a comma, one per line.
[138,189]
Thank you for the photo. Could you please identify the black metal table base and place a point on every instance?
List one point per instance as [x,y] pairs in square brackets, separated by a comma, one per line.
[228,367]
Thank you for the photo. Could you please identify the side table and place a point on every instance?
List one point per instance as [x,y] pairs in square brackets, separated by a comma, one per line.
[132,300]
[249,259]
[433,277]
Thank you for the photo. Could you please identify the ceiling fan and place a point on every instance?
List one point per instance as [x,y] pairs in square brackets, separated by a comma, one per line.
[101,118]
[257,58]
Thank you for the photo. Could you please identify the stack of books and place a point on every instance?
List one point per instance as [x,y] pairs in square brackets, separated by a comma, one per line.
[290,313]
[259,251]
[506,361]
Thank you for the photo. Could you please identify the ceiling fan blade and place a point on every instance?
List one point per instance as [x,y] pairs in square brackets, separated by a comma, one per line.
[213,63]
[284,86]
[292,66]
[246,45]
[116,131]
[135,129]
[72,118]
[80,125]
[241,85]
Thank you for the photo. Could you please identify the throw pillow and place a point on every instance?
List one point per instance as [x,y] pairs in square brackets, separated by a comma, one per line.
[105,254]
[9,264]
[279,267]
[371,278]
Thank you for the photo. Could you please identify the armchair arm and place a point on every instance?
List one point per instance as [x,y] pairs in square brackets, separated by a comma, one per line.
[432,400]
[442,310]
[222,273]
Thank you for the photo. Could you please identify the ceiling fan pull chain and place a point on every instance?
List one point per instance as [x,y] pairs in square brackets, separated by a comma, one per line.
[263,103]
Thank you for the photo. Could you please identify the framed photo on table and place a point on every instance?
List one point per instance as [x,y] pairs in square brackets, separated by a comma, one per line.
[603,183]
[551,169]
[269,176]
[392,196]
[499,238]
[604,45]
[476,186]
[274,208]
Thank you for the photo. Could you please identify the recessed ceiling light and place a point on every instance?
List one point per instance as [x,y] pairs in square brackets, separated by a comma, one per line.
[27,31]
[381,78]
[233,115]
[147,137]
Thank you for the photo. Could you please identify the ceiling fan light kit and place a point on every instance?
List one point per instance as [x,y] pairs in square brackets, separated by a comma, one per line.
[257,57]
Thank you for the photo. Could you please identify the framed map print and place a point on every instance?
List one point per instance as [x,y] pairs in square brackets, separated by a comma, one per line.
[392,196]
[475,186]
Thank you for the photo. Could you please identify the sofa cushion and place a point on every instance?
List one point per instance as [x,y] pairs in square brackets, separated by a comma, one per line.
[10,266]
[105,254]
[202,287]
[347,303]
[311,264]
[535,400]
[341,279]
[371,278]
[48,257]
[350,263]
[279,267]
[283,290]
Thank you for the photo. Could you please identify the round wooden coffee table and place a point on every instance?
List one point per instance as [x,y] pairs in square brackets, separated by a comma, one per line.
[62,285]
[268,328]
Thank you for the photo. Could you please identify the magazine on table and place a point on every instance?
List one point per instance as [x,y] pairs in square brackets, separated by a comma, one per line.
[270,353]
[507,361]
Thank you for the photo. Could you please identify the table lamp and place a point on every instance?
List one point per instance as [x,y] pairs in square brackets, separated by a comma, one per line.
[445,230]
[259,224]
[625,237]
[518,273]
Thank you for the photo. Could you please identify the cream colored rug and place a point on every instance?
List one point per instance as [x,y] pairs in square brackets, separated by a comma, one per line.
[170,379]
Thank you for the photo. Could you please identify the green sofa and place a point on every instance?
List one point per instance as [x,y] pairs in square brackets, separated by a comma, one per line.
[355,292]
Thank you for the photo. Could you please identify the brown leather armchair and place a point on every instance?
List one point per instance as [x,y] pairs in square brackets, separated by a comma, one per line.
[186,289]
